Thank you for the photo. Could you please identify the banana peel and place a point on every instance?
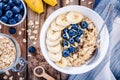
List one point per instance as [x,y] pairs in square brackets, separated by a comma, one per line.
[50,2]
[35,5]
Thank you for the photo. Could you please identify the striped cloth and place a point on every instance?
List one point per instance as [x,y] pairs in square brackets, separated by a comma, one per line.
[103,71]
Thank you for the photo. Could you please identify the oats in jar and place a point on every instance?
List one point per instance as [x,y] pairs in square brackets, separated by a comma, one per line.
[7,52]
[78,35]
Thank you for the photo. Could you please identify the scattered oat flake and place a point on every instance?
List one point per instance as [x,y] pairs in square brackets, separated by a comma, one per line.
[30,23]
[7,72]
[29,30]
[24,40]
[0,26]
[18,74]
[34,43]
[35,31]
[32,37]
[36,22]
[21,78]
[90,2]
[5,77]
[11,78]
[36,26]
[29,55]
[83,0]
[29,34]
[35,38]
[23,29]
[20,32]
[67,1]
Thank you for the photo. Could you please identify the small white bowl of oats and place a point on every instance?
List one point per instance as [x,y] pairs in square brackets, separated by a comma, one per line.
[68,38]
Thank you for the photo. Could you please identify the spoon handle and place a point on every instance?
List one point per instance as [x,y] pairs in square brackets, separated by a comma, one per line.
[48,77]
[107,16]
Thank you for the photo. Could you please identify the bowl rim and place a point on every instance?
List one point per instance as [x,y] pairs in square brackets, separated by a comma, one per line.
[13,25]
[43,46]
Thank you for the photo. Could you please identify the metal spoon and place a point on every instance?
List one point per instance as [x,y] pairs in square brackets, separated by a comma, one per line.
[98,36]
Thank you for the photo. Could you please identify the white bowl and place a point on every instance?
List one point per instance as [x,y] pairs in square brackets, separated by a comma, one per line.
[24,16]
[97,20]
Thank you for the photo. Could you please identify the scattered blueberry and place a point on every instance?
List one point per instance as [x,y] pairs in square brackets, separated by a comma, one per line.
[79,32]
[9,14]
[17,2]
[71,33]
[84,24]
[12,30]
[74,26]
[6,7]
[64,43]
[1,13]
[18,17]
[65,30]
[15,9]
[71,40]
[4,19]
[71,49]
[64,36]
[1,5]
[32,49]
[77,39]
[12,21]
[65,53]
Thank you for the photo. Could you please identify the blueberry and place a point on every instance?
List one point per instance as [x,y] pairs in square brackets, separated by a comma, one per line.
[84,25]
[71,49]
[77,39]
[15,9]
[64,36]
[12,21]
[79,32]
[9,14]
[21,6]
[74,26]
[64,43]
[18,17]
[5,1]
[32,49]
[17,2]
[6,7]
[65,53]
[1,5]
[10,3]
[71,40]
[1,13]
[4,19]
[71,33]
[66,30]
[12,30]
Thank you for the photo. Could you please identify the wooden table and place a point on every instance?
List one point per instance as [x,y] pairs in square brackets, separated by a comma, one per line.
[37,58]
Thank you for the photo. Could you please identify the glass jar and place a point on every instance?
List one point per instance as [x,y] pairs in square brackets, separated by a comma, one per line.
[19,63]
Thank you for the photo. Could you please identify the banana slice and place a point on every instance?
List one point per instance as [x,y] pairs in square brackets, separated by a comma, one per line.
[74,17]
[54,49]
[56,27]
[53,43]
[61,20]
[53,35]
[56,57]
[62,63]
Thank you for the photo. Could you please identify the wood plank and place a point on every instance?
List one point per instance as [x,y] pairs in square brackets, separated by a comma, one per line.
[87,3]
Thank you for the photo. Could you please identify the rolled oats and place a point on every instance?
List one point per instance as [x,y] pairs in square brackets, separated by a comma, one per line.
[7,52]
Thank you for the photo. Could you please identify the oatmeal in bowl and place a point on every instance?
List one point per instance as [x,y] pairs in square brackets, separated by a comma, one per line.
[68,39]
